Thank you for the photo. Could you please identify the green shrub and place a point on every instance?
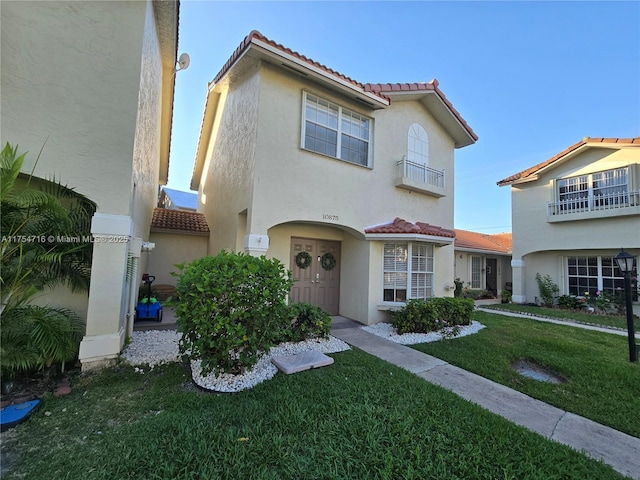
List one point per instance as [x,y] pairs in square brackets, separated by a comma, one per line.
[306,321]
[459,288]
[547,288]
[570,302]
[424,316]
[230,308]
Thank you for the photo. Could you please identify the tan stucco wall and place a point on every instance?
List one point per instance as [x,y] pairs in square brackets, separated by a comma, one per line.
[70,73]
[225,188]
[171,249]
[540,246]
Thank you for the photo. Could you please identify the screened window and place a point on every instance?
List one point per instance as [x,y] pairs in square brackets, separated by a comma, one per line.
[597,274]
[335,131]
[407,271]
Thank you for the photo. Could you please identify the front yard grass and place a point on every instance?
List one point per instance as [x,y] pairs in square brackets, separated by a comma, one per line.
[615,321]
[601,383]
[360,418]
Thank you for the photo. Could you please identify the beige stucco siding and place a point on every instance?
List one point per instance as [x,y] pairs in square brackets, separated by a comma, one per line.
[296,184]
[77,91]
[171,249]
[226,187]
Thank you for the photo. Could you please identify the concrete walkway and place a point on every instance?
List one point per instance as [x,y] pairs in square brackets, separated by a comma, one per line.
[615,448]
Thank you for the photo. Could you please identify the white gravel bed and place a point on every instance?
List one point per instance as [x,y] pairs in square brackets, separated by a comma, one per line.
[385,330]
[263,369]
[154,347]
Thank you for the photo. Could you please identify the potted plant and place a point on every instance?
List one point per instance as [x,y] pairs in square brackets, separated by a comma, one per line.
[506,296]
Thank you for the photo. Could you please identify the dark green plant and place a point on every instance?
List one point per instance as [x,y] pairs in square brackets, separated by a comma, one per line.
[306,321]
[424,316]
[36,217]
[547,288]
[230,308]
[459,288]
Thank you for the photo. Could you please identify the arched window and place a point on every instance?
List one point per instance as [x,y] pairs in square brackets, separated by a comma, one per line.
[418,145]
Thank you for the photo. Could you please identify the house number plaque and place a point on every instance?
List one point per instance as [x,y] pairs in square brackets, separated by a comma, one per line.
[326,216]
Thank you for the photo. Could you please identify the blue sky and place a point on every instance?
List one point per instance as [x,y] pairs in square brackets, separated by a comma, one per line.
[531,78]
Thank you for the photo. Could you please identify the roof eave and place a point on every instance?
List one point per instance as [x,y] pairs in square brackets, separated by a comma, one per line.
[276,56]
[440,241]
[208,116]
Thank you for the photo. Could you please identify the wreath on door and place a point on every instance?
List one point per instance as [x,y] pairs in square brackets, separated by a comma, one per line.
[328,261]
[303,260]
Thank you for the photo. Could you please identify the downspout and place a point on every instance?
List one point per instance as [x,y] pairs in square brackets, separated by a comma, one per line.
[134,259]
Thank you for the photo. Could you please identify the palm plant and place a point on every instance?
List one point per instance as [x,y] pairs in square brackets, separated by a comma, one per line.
[36,218]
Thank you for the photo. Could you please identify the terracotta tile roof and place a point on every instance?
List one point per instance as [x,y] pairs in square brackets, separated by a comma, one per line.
[256,35]
[378,88]
[165,219]
[585,141]
[499,242]
[398,225]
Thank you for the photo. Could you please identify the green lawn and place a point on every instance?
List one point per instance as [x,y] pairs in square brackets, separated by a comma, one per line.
[360,418]
[616,321]
[601,383]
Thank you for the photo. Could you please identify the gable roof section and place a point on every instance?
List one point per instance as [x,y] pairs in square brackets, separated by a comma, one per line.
[375,95]
[499,243]
[179,221]
[531,173]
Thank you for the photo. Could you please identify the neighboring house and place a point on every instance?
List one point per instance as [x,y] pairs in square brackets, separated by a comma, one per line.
[91,83]
[350,185]
[177,200]
[572,214]
[483,261]
[179,237]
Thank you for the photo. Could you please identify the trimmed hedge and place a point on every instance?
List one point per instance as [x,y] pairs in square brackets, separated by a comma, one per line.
[424,316]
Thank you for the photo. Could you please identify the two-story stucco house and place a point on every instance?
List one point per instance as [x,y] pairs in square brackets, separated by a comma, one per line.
[350,185]
[572,214]
[93,82]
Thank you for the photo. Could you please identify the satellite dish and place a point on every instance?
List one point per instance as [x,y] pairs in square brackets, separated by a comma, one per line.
[183,62]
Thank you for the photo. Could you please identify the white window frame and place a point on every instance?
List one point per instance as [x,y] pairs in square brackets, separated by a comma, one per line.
[343,114]
[418,145]
[603,271]
[476,271]
[417,268]
[581,195]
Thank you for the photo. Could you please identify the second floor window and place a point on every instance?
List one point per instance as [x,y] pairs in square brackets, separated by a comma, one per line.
[335,131]
[594,191]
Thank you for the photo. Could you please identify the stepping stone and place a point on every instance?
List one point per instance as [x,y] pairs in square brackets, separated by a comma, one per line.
[302,361]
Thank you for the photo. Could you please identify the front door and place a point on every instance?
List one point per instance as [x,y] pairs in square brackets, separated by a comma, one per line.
[492,275]
[316,273]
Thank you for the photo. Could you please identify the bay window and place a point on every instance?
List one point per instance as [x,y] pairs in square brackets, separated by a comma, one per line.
[407,271]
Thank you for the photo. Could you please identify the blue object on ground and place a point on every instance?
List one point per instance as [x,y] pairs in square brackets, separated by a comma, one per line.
[149,311]
[14,414]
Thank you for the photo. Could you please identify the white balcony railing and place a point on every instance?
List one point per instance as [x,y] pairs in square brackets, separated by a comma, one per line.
[594,203]
[420,173]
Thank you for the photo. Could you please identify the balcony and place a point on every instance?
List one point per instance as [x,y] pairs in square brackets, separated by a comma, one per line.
[420,178]
[594,206]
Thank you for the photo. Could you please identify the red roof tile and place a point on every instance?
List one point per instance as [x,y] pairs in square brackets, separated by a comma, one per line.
[256,35]
[166,219]
[585,141]
[499,242]
[399,226]
[379,88]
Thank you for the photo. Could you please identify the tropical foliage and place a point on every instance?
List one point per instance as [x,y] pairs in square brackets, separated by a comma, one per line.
[42,223]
